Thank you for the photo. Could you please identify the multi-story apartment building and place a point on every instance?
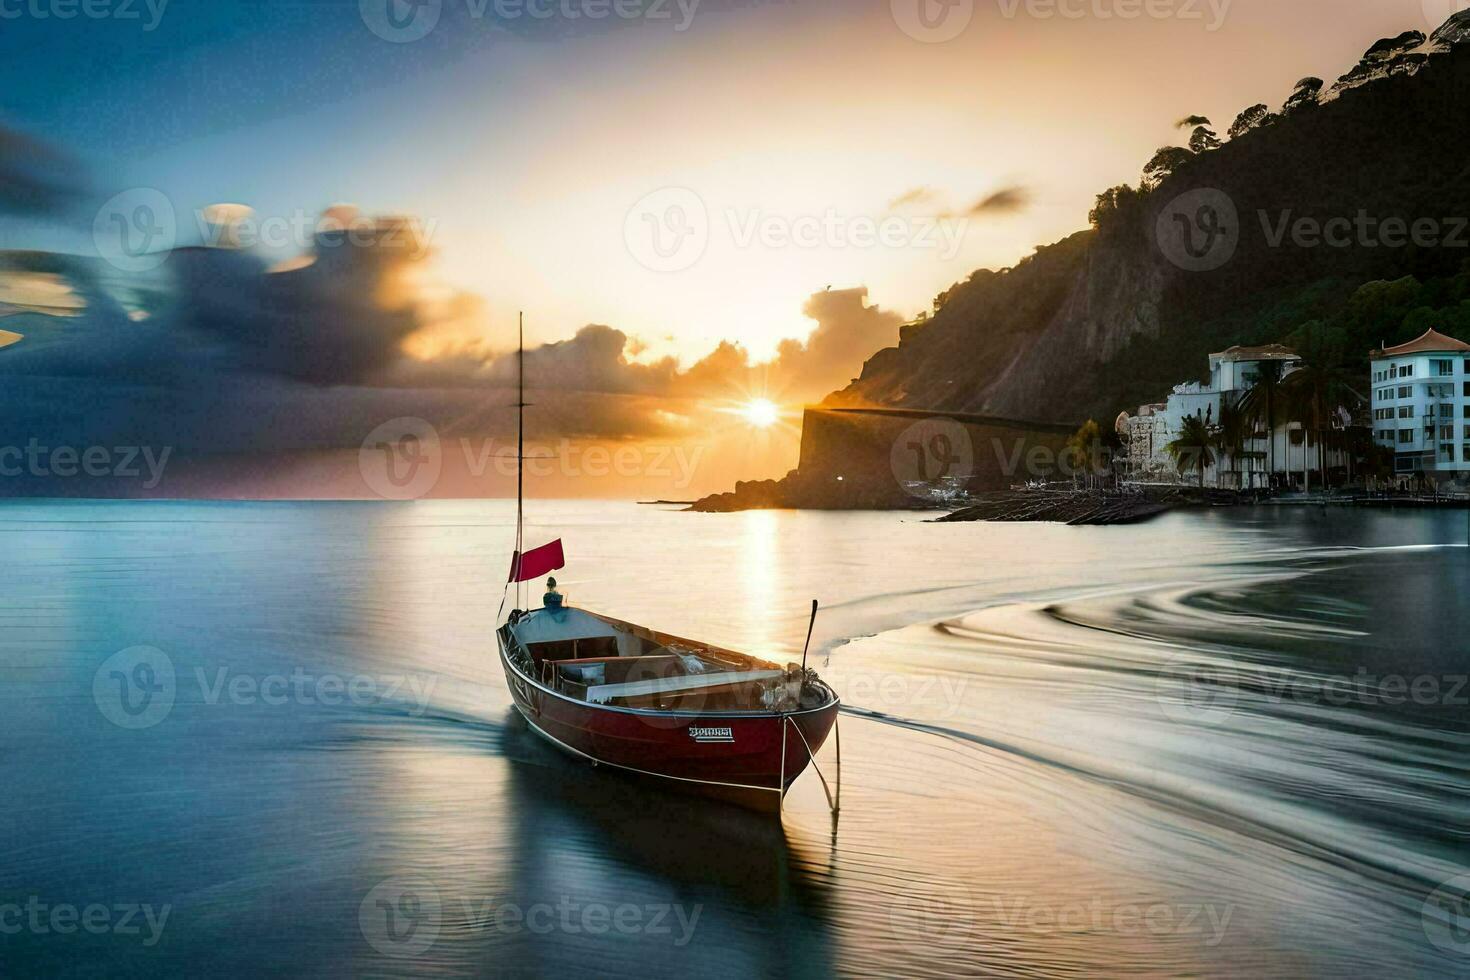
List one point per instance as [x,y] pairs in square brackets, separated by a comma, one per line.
[1421,405]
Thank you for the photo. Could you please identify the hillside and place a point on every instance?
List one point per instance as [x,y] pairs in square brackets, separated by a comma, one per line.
[1118,314]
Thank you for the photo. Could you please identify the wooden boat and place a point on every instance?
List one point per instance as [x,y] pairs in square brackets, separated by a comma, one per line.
[694,717]
[689,715]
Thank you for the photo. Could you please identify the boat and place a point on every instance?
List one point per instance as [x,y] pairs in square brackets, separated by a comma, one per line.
[685,715]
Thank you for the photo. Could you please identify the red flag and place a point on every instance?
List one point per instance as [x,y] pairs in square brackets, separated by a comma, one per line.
[534,564]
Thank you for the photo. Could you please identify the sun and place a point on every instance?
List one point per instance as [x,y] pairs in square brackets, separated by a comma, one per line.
[761,413]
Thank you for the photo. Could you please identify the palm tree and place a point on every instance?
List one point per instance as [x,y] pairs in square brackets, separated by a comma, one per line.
[1317,390]
[1261,404]
[1230,434]
[1192,446]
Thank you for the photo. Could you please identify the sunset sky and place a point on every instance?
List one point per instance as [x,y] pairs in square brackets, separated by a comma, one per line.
[540,155]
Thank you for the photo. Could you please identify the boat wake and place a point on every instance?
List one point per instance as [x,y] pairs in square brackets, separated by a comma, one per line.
[1251,732]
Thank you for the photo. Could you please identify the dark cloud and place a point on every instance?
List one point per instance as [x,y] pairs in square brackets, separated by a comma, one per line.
[1007,200]
[340,320]
[224,358]
[34,178]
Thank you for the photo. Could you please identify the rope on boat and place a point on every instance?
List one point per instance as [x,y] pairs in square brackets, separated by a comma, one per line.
[835,803]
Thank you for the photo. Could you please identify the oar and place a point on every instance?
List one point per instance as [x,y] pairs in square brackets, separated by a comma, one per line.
[810,627]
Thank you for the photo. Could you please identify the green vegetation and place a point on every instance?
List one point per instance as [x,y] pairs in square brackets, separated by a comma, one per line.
[1192,449]
[1103,321]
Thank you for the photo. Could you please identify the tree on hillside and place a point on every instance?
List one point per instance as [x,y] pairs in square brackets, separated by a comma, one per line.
[1116,210]
[1191,448]
[1203,140]
[1168,160]
[1249,119]
[1307,94]
[1454,31]
[1390,48]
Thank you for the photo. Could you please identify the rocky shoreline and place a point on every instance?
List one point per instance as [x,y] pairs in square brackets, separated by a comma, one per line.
[1057,505]
[1081,508]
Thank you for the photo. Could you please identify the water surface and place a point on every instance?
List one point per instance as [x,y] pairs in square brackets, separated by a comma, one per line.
[278,734]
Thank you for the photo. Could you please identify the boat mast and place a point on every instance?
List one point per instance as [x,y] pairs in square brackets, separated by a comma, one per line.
[520,449]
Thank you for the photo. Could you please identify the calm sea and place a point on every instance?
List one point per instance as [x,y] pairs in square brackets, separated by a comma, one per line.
[253,737]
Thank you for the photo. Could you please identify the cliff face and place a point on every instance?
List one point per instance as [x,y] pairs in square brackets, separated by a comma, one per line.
[898,459]
[1118,314]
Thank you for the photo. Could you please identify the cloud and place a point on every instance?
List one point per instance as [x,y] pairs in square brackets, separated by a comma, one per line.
[919,195]
[34,178]
[224,357]
[1007,200]
[848,332]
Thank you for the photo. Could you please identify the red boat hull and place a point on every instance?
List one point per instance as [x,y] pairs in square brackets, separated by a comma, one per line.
[741,757]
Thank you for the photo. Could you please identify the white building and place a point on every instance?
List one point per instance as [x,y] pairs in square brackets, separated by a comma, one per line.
[1421,405]
[1287,453]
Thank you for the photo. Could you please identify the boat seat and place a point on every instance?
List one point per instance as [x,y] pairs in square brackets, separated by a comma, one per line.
[597,671]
